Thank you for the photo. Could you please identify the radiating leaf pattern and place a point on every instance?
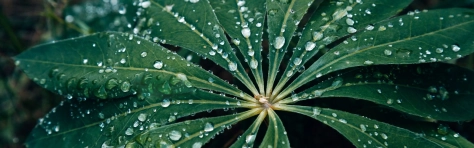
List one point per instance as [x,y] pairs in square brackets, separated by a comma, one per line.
[283,18]
[127,90]
[243,21]
[335,20]
[115,122]
[193,133]
[194,26]
[443,35]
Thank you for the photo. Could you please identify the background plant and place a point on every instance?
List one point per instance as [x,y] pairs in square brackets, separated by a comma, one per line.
[114,88]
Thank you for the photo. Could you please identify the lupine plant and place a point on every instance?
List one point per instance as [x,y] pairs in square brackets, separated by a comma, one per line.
[125,89]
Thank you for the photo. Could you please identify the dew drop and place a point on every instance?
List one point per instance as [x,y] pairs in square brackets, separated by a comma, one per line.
[122,9]
[232,66]
[297,61]
[236,41]
[368,62]
[125,87]
[142,117]
[317,36]
[129,131]
[246,32]
[253,64]
[387,52]
[208,127]
[351,30]
[174,135]
[158,64]
[165,103]
[279,42]
[143,54]
[362,128]
[456,48]
[439,50]
[197,145]
[349,22]
[250,138]
[316,111]
[310,46]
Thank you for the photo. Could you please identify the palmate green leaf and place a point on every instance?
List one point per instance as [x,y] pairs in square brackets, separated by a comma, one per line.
[335,20]
[112,65]
[194,26]
[439,91]
[243,21]
[364,132]
[419,37]
[247,139]
[276,135]
[283,19]
[115,122]
[193,133]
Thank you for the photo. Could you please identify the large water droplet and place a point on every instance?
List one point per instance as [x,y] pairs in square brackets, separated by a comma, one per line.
[165,103]
[111,83]
[245,32]
[317,36]
[232,66]
[129,131]
[279,42]
[174,135]
[362,128]
[142,117]
[250,138]
[297,61]
[456,48]
[125,87]
[208,127]
[197,145]
[158,64]
[310,46]
[253,64]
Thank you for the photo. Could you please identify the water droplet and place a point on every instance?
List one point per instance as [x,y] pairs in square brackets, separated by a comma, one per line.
[125,87]
[232,66]
[212,52]
[122,9]
[297,61]
[369,27]
[442,129]
[384,136]
[236,41]
[439,50]
[279,42]
[456,48]
[100,93]
[129,131]
[197,145]
[145,4]
[362,128]
[142,117]
[174,135]
[111,83]
[165,103]
[368,62]
[251,52]
[349,21]
[253,64]
[208,127]
[316,111]
[389,101]
[387,52]
[246,32]
[143,54]
[317,36]
[310,46]
[351,30]
[250,138]
[158,64]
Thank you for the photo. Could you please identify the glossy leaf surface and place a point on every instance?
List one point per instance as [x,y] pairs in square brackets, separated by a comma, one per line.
[439,91]
[112,65]
[364,132]
[194,26]
[420,37]
[115,122]
[335,20]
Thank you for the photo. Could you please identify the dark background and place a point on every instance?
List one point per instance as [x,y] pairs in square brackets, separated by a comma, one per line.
[24,23]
